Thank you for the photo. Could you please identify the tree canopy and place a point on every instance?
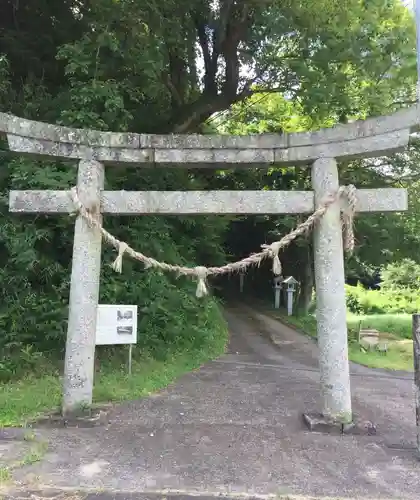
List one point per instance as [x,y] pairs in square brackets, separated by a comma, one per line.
[180,62]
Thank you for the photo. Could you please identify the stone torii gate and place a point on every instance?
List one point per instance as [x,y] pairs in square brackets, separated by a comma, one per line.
[94,150]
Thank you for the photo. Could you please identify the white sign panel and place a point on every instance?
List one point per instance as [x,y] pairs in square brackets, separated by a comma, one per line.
[116,324]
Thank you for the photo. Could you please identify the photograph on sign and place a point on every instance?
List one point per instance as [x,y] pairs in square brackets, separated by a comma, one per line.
[116,324]
[124,314]
[125,330]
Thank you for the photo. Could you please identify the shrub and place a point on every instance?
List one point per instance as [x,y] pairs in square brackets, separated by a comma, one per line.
[403,274]
[385,301]
[353,303]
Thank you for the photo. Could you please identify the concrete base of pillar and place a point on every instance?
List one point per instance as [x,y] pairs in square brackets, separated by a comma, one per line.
[316,422]
[93,417]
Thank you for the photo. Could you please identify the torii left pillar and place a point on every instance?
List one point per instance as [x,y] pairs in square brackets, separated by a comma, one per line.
[84,293]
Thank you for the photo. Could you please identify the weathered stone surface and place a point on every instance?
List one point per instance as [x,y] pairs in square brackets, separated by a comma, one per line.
[81,419]
[363,147]
[203,202]
[381,200]
[369,137]
[331,300]
[15,125]
[124,155]
[33,202]
[317,422]
[78,151]
[195,141]
[208,157]
[207,202]
[403,119]
[211,157]
[84,294]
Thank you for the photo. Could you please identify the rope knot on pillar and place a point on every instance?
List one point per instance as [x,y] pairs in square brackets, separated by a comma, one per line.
[78,207]
[201,272]
[82,210]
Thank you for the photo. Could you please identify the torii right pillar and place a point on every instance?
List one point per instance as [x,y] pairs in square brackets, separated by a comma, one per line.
[330,298]
[336,415]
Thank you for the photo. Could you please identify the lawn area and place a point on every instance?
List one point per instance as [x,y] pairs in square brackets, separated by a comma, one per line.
[400,351]
[23,400]
[396,324]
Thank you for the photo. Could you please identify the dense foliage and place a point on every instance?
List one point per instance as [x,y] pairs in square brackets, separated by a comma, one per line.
[403,274]
[394,301]
[169,67]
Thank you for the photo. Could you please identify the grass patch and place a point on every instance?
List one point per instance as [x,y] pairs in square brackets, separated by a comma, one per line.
[35,454]
[5,475]
[400,351]
[398,357]
[395,324]
[25,399]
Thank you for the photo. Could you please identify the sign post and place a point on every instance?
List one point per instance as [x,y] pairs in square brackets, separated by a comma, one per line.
[117,325]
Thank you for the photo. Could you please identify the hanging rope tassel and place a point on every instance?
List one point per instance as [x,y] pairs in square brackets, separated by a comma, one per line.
[201,273]
[276,265]
[348,233]
[274,250]
[117,265]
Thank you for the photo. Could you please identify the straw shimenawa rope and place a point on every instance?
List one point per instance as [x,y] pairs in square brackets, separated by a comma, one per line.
[268,251]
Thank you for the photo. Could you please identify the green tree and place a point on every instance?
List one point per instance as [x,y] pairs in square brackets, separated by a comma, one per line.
[381,238]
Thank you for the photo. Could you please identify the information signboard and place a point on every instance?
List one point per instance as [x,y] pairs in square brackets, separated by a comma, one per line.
[116,324]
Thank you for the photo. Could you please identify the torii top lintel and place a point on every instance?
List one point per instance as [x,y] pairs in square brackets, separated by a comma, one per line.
[364,138]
